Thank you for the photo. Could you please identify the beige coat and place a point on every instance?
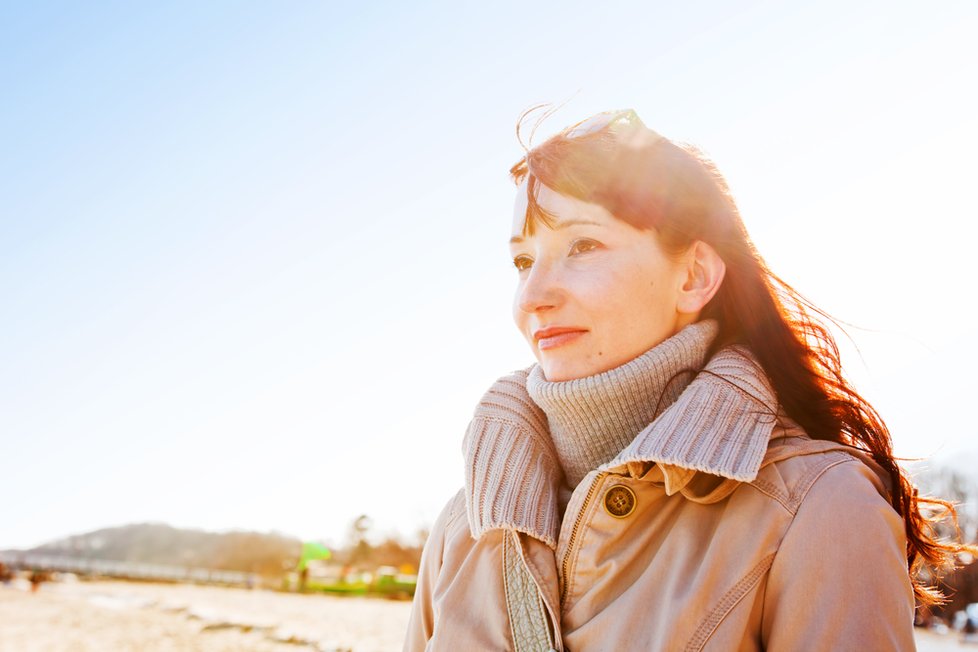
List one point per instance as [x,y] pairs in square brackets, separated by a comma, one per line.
[798,549]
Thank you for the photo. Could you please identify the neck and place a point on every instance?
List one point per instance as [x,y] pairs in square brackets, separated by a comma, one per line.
[592,419]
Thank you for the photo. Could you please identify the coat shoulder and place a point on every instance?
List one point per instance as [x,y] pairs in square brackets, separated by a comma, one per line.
[451,516]
[793,467]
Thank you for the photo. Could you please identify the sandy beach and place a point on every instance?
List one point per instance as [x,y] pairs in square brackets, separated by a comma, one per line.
[930,642]
[125,616]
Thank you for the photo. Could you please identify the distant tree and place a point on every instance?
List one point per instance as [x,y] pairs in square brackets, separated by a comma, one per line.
[961,585]
[394,552]
[253,552]
[958,487]
[359,550]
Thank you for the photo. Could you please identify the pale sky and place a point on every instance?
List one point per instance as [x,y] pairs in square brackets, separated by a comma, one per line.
[253,258]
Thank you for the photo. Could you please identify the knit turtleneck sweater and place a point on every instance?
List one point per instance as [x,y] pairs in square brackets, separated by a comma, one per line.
[592,419]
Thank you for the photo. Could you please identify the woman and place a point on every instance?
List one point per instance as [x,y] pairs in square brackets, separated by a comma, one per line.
[685,467]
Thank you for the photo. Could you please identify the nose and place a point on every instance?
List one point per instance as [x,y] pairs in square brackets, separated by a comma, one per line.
[541,290]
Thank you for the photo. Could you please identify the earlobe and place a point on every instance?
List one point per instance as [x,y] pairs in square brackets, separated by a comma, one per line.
[704,274]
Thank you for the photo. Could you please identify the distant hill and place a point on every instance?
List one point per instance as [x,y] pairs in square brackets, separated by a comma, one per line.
[157,543]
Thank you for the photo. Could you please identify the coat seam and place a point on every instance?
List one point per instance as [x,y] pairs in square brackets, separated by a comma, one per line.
[455,512]
[793,499]
[727,603]
[768,490]
[804,486]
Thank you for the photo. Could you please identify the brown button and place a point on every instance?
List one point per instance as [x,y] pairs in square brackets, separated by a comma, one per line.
[619,501]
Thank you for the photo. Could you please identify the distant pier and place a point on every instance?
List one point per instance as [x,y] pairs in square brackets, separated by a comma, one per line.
[124,569]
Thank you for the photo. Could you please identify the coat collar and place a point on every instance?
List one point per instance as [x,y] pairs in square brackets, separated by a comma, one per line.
[720,425]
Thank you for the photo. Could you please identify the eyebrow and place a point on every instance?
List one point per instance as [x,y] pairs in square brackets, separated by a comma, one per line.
[559,225]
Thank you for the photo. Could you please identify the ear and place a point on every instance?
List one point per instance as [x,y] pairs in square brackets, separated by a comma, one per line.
[704,273]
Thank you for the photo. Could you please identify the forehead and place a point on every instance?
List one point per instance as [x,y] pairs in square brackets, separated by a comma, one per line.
[562,207]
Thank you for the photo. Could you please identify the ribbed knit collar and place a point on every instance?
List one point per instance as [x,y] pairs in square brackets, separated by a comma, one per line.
[720,424]
[592,419]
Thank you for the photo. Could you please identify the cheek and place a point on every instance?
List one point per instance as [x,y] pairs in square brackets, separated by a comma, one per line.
[594,289]
[638,299]
[616,292]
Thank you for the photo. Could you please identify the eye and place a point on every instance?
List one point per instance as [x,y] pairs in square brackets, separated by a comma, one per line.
[583,246]
[522,263]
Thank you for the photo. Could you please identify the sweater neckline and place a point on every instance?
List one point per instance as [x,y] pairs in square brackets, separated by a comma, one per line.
[592,419]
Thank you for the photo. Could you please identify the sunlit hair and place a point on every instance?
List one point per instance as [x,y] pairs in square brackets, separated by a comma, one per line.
[648,181]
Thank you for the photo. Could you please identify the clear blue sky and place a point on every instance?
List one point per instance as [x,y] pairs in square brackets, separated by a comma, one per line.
[253,261]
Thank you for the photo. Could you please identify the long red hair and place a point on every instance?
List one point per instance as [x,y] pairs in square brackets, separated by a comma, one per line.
[614,161]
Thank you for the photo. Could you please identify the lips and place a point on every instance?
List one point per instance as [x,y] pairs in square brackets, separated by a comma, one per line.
[554,336]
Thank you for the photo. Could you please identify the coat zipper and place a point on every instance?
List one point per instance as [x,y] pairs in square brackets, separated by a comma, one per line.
[573,536]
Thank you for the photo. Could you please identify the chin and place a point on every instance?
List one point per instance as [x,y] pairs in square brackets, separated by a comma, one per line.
[558,373]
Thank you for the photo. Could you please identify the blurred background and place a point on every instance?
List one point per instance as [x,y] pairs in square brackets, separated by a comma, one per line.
[254,272]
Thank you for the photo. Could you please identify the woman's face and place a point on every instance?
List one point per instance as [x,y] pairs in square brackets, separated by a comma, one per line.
[594,292]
